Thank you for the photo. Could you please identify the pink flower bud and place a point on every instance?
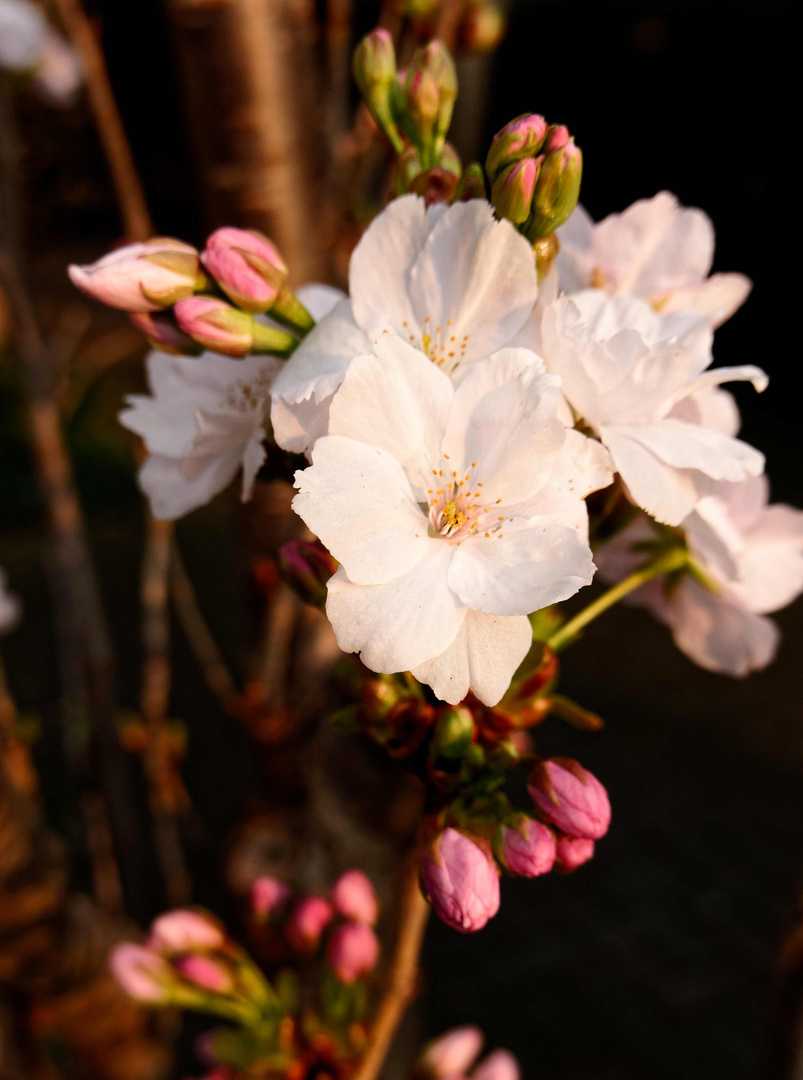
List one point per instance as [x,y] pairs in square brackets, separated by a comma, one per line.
[306,566]
[522,137]
[161,330]
[142,973]
[500,1065]
[374,61]
[461,881]
[526,849]
[216,325]
[206,973]
[557,137]
[185,931]
[354,898]
[269,896]
[308,920]
[352,951]
[141,277]
[513,190]
[557,190]
[571,852]
[571,798]
[452,1053]
[247,266]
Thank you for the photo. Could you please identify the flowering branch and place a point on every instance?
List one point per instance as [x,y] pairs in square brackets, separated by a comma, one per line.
[663,564]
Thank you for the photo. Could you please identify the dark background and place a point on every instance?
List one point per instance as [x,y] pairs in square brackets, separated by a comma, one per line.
[658,959]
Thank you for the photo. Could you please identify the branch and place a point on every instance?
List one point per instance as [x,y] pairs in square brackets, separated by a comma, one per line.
[403,977]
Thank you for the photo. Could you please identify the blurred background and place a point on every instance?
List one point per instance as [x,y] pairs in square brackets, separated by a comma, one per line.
[677,951]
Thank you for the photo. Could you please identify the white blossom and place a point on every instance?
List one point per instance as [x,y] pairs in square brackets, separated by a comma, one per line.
[454,283]
[28,44]
[453,511]
[656,250]
[751,557]
[639,381]
[9,605]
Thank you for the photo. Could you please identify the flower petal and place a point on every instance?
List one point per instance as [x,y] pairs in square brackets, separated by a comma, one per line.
[686,446]
[401,624]
[399,401]
[718,297]
[317,365]
[475,279]
[482,658]
[172,495]
[357,499]
[521,569]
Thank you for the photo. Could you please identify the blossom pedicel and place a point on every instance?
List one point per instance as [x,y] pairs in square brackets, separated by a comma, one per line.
[216,325]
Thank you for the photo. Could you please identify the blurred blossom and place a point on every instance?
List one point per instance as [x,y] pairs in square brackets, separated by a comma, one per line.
[205,973]
[354,897]
[269,896]
[500,1065]
[185,931]
[10,608]
[309,918]
[451,1054]
[142,973]
[352,951]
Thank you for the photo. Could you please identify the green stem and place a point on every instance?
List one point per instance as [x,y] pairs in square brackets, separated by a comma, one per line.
[663,564]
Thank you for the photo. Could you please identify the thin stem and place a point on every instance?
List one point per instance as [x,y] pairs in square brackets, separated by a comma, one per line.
[663,564]
[403,977]
[127,186]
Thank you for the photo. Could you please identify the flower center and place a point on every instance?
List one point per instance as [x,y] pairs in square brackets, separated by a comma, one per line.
[458,507]
[445,349]
[243,395]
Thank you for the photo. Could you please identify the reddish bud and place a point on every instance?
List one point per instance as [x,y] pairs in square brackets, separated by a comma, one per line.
[162,331]
[141,972]
[500,1065]
[269,896]
[570,797]
[185,931]
[308,920]
[521,138]
[461,880]
[527,848]
[571,852]
[141,277]
[352,951]
[306,566]
[205,973]
[452,1054]
[354,898]
[247,266]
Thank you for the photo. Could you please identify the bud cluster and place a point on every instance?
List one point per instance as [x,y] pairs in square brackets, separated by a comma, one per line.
[185,301]
[535,170]
[340,928]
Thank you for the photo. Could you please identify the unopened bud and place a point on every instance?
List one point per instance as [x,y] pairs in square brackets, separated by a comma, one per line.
[246,266]
[354,898]
[222,328]
[308,920]
[205,973]
[513,190]
[352,951]
[452,1054]
[164,334]
[142,277]
[525,847]
[185,931]
[374,67]
[483,28]
[306,566]
[557,191]
[453,734]
[461,881]
[428,100]
[471,184]
[521,138]
[500,1065]
[571,852]
[141,972]
[269,896]
[570,797]
[557,137]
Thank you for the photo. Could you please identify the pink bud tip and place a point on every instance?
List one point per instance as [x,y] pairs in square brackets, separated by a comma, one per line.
[206,973]
[131,280]
[452,1054]
[530,850]
[215,324]
[558,137]
[571,852]
[529,130]
[571,798]
[269,896]
[352,951]
[461,881]
[308,920]
[500,1065]
[185,931]
[140,972]
[354,898]
[247,267]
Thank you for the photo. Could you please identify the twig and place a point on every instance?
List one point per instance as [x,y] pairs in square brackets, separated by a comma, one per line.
[127,186]
[402,982]
[14,751]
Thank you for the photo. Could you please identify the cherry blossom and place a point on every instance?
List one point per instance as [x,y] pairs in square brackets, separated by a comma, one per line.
[453,511]
[656,249]
[639,381]
[750,555]
[454,283]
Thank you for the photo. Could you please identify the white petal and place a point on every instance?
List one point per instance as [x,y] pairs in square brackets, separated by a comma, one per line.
[172,495]
[167,429]
[320,300]
[744,373]
[718,634]
[221,435]
[508,424]
[379,272]
[520,570]
[717,298]
[686,446]
[771,569]
[399,401]
[316,367]
[574,262]
[482,658]
[297,426]
[357,499]
[709,407]
[564,354]
[479,274]
[399,625]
